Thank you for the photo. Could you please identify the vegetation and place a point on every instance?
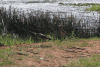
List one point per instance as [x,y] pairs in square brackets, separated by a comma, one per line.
[9,40]
[4,56]
[95,8]
[86,62]
[80,4]
[33,2]
[41,22]
[8,56]
[45,1]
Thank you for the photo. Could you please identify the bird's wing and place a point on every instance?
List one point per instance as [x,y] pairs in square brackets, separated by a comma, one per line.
[44,36]
[65,32]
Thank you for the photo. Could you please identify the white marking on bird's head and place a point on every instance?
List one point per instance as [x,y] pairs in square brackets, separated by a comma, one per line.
[60,26]
[35,34]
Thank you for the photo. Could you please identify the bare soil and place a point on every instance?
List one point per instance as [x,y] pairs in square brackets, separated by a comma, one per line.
[52,56]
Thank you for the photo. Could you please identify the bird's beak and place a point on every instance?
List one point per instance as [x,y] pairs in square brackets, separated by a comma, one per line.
[59,26]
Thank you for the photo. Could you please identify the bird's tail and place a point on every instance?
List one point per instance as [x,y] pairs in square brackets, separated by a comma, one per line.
[49,38]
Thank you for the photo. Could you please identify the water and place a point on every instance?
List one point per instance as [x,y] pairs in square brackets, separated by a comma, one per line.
[53,6]
[65,1]
[82,1]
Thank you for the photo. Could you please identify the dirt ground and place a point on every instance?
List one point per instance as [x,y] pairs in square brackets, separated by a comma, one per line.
[52,56]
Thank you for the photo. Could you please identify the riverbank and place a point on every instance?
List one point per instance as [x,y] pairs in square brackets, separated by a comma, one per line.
[93,6]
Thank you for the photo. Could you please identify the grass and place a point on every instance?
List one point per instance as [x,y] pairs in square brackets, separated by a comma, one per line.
[86,62]
[37,58]
[84,44]
[75,42]
[33,2]
[9,55]
[95,8]
[80,4]
[49,56]
[9,40]
[4,53]
[39,2]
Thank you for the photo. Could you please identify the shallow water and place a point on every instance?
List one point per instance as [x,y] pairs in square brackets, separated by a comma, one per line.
[78,11]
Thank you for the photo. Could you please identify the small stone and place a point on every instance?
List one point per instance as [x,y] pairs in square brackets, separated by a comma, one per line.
[81,53]
[41,58]
[68,50]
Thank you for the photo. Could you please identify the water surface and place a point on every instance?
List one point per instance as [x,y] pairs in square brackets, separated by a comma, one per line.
[53,6]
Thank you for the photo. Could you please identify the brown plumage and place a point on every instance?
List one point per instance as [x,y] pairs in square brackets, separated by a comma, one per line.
[62,32]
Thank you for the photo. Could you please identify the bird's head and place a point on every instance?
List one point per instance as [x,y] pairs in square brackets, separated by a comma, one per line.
[59,26]
[34,33]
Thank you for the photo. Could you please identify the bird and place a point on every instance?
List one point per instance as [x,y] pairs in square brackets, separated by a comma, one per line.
[36,34]
[41,35]
[62,32]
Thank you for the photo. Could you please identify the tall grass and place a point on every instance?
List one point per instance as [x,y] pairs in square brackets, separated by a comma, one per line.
[9,40]
[40,22]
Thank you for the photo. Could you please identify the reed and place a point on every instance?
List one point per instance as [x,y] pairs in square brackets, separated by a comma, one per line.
[39,22]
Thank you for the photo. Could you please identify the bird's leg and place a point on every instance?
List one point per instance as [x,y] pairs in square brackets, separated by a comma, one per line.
[42,41]
[62,38]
